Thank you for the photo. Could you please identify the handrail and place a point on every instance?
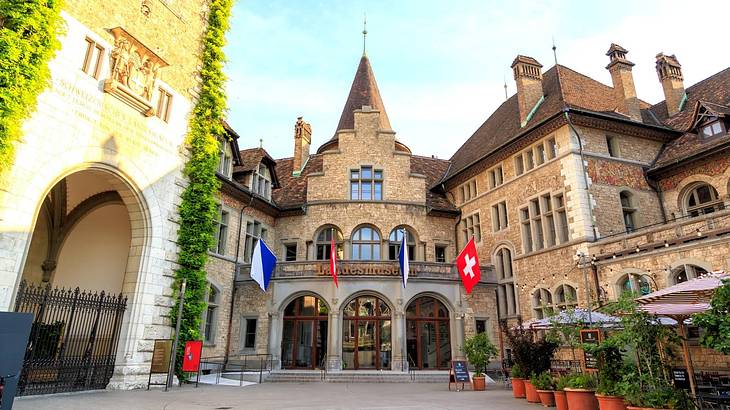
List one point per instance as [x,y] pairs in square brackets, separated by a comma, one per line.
[323,368]
[411,367]
[223,363]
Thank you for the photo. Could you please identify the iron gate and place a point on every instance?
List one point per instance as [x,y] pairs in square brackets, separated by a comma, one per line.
[73,341]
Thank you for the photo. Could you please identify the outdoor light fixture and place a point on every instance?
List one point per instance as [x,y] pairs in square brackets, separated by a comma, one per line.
[666,244]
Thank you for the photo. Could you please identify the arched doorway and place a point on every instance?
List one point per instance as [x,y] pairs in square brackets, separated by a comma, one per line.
[366,334]
[428,337]
[304,338]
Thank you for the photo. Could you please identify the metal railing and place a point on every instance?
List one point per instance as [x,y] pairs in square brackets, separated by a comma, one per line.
[243,363]
[323,369]
[412,367]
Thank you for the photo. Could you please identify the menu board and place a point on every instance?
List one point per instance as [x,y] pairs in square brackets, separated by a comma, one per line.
[590,336]
[461,371]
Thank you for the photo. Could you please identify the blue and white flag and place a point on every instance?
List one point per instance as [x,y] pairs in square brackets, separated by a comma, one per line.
[403,258]
[263,262]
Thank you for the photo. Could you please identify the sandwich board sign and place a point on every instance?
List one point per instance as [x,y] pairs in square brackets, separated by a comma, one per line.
[459,373]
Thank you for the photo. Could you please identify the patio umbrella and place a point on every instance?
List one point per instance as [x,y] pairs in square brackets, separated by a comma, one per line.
[574,316]
[681,301]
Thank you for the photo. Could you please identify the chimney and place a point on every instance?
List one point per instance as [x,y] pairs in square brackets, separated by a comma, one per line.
[624,91]
[670,75]
[528,76]
[302,140]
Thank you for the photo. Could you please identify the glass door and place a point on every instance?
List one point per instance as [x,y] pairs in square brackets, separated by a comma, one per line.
[305,344]
[366,352]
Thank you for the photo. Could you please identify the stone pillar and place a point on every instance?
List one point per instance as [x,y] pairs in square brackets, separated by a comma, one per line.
[458,336]
[400,354]
[334,342]
[275,335]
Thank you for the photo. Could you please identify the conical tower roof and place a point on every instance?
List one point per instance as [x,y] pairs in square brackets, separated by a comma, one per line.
[364,91]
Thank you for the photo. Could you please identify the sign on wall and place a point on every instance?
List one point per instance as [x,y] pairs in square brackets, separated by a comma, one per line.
[590,336]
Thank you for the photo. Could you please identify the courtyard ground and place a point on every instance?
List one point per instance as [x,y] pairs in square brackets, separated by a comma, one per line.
[285,396]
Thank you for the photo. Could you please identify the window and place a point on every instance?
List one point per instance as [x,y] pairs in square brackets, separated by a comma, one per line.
[529,160]
[628,211]
[254,232]
[683,273]
[394,242]
[290,252]
[712,128]
[519,165]
[506,296]
[220,234]
[225,158]
[566,297]
[612,145]
[542,303]
[495,177]
[366,244]
[481,325]
[702,199]
[248,333]
[544,222]
[164,105]
[540,155]
[468,190]
[634,283]
[366,184]
[210,315]
[440,253]
[471,228]
[93,58]
[324,243]
[261,181]
[552,148]
[499,216]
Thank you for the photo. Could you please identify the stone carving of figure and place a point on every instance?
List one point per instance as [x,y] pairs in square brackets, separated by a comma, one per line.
[120,60]
[150,71]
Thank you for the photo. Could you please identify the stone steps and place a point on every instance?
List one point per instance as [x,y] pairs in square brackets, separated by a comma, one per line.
[357,377]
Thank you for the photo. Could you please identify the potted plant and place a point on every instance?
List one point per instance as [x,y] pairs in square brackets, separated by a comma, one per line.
[518,381]
[580,392]
[479,350]
[662,396]
[545,386]
[609,391]
[531,355]
[530,391]
[561,402]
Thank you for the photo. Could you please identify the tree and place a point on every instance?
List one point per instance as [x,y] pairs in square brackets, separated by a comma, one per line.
[479,350]
[716,321]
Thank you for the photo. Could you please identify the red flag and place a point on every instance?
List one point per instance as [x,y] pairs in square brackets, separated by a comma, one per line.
[468,265]
[333,261]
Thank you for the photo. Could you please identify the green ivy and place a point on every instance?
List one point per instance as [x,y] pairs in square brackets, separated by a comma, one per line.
[28,40]
[198,206]
[716,321]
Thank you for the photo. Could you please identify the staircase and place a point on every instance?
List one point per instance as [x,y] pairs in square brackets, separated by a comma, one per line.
[358,376]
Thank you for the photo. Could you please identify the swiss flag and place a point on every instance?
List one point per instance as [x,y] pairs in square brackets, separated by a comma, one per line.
[333,261]
[468,265]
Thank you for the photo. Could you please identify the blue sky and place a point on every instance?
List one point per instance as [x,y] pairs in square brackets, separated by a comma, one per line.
[440,65]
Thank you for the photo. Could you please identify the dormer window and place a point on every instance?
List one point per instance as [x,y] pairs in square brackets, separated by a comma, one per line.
[712,127]
[261,181]
[225,158]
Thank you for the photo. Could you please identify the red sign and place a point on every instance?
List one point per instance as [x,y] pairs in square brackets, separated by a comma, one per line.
[191,358]
[467,263]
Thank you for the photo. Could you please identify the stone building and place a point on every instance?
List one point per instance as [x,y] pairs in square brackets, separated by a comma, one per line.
[91,198]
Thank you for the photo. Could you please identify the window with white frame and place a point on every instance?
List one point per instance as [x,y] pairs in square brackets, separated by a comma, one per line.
[220,233]
[544,222]
[506,295]
[225,157]
[209,317]
[496,177]
[323,243]
[261,181]
[365,244]
[366,184]
[164,104]
[93,58]
[255,231]
[471,228]
[248,333]
[468,190]
[394,243]
[499,216]
[712,127]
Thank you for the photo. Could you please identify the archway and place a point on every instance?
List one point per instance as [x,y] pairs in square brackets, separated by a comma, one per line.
[304,335]
[428,337]
[366,334]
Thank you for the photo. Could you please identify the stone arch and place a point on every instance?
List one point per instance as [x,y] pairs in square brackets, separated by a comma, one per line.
[619,279]
[429,333]
[441,298]
[690,183]
[367,292]
[290,298]
[690,267]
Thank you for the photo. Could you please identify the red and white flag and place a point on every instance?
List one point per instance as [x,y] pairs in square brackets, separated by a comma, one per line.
[468,265]
[333,261]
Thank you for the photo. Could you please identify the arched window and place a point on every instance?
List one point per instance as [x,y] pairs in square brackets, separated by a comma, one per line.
[261,181]
[505,282]
[323,243]
[566,297]
[365,244]
[685,272]
[542,303]
[629,211]
[395,239]
[634,283]
[208,323]
[702,199]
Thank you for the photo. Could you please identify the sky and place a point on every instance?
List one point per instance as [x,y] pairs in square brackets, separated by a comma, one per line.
[441,65]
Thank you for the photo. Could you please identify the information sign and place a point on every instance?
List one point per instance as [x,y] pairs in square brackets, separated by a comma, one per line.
[590,336]
[160,360]
[459,373]
[191,357]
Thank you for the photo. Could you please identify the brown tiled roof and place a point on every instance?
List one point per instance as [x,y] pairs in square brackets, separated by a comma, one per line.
[562,88]
[250,159]
[292,191]
[364,91]
[434,169]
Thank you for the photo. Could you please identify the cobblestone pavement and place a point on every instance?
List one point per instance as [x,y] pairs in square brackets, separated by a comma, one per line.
[379,396]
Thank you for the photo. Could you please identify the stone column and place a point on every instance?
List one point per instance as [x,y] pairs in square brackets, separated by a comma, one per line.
[398,329]
[334,342]
[275,335]
[458,335]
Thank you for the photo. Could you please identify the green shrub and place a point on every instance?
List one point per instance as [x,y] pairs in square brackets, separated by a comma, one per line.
[543,381]
[563,381]
[716,321]
[516,372]
[584,381]
[479,350]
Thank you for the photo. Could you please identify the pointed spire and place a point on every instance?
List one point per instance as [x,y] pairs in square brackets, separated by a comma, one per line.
[364,33]
[363,92]
[555,53]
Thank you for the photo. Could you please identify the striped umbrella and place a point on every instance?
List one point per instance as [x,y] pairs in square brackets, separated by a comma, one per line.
[693,294]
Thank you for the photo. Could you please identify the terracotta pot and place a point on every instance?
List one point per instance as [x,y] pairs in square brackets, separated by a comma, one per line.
[531,393]
[581,399]
[643,408]
[610,402]
[478,383]
[561,402]
[518,388]
[546,398]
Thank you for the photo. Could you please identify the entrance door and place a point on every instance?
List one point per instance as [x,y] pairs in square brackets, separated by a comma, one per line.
[366,335]
[304,335]
[428,340]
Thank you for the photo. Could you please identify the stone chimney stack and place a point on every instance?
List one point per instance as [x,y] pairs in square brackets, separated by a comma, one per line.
[624,90]
[302,140]
[670,75]
[528,76]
